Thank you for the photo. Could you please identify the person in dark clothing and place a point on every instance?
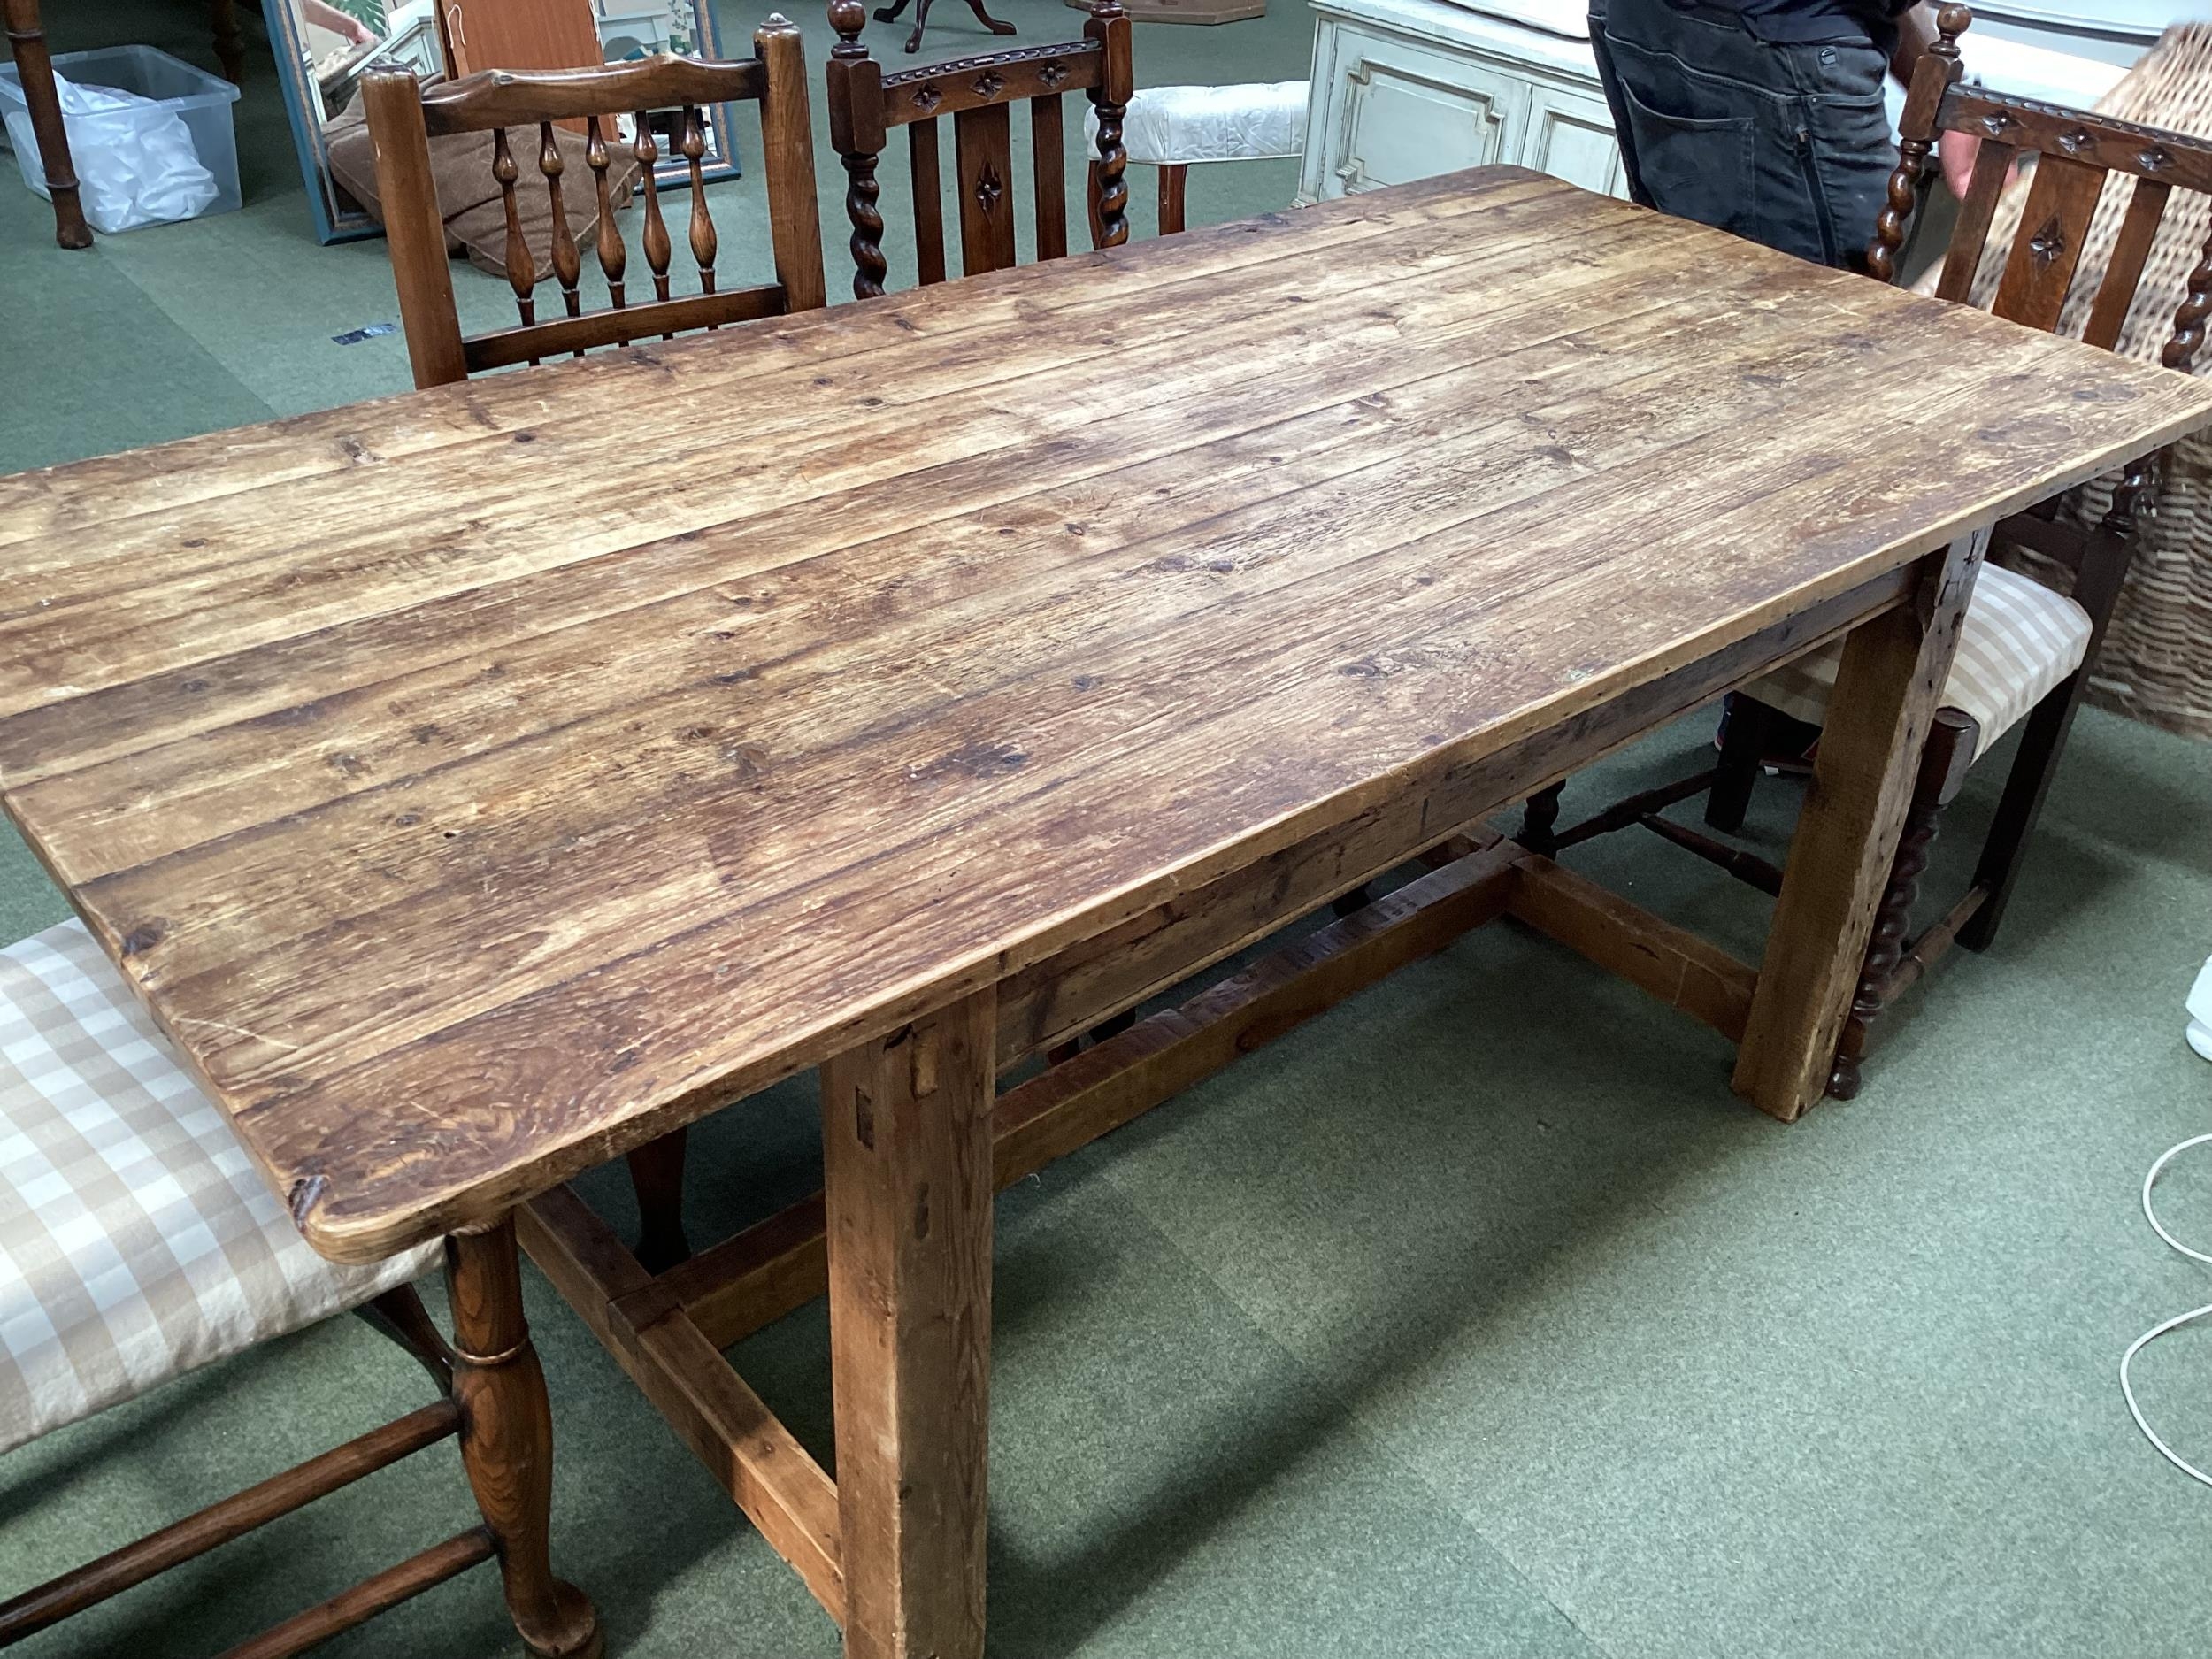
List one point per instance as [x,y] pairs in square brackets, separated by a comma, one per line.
[1765,116]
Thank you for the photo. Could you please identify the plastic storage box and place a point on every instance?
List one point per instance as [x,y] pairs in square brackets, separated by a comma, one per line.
[201,99]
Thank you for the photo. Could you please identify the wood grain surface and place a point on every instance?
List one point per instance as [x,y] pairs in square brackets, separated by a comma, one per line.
[476,786]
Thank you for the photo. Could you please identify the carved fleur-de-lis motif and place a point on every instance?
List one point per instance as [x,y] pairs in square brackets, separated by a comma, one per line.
[2153,159]
[1052,74]
[988,189]
[2074,143]
[2047,243]
[927,97]
[988,85]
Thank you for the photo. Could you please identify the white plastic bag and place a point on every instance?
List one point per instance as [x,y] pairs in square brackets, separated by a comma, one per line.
[135,162]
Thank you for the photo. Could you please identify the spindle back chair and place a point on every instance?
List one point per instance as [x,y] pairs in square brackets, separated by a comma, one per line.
[978,93]
[404,116]
[2074,155]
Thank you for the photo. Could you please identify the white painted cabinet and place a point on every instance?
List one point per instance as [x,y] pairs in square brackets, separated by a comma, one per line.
[1407,88]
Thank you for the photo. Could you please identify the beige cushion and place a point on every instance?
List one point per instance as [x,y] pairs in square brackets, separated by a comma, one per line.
[137,1241]
[2020,642]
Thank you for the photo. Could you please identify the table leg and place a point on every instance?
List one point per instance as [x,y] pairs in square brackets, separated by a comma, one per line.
[230,46]
[906,1135]
[507,1439]
[1886,691]
[27,40]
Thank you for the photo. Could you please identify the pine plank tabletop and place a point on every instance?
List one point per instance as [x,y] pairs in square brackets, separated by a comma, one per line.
[480,782]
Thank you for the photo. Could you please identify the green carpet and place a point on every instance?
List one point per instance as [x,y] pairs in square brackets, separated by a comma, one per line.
[1474,1319]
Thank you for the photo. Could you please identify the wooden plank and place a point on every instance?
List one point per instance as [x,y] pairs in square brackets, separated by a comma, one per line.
[2123,270]
[929,204]
[504,347]
[1048,153]
[1675,965]
[983,148]
[1069,993]
[2110,145]
[994,80]
[1993,169]
[787,137]
[770,1270]
[1312,248]
[1886,687]
[319,457]
[764,1470]
[626,579]
[906,1153]
[1106,1086]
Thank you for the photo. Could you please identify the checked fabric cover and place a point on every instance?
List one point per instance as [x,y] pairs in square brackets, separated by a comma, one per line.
[137,1241]
[2020,640]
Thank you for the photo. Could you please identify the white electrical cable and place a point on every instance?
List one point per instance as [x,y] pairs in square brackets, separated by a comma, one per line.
[2174,1324]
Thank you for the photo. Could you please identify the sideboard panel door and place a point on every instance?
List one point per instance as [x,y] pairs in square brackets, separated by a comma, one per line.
[1571,136]
[1408,114]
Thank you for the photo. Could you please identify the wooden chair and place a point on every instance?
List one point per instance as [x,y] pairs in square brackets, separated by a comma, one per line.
[2025,648]
[403,117]
[978,93]
[137,1243]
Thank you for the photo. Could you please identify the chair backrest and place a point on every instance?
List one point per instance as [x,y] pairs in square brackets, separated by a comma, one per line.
[978,93]
[2075,153]
[404,118]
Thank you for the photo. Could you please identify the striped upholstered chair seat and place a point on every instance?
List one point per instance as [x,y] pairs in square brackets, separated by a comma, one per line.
[137,1241]
[2020,642]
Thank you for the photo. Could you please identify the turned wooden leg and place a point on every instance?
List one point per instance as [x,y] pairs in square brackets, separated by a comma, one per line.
[906,1137]
[1540,820]
[1174,181]
[399,1315]
[987,20]
[507,1440]
[2097,586]
[230,46]
[1742,746]
[27,40]
[1887,687]
[1943,763]
[921,22]
[657,1173]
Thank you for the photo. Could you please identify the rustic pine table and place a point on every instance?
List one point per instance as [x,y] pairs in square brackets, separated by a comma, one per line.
[482,784]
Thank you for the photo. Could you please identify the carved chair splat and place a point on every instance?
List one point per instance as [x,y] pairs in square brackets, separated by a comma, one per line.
[979,95]
[404,118]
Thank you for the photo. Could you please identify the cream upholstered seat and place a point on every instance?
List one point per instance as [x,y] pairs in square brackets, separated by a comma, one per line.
[137,1241]
[2019,642]
[1168,126]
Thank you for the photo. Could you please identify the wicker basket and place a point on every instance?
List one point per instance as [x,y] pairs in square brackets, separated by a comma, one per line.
[2156,662]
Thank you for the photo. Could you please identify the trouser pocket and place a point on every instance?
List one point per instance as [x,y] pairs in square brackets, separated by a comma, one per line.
[1700,168]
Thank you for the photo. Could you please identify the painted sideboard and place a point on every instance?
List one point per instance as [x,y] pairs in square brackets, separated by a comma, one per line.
[1406,88]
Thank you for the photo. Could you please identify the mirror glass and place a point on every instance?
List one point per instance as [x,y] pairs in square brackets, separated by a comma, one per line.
[322,48]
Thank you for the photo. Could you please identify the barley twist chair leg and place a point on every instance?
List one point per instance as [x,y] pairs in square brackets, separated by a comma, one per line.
[1540,820]
[1951,741]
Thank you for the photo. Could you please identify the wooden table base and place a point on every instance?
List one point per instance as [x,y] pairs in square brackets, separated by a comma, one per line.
[915,1142]
[668,1330]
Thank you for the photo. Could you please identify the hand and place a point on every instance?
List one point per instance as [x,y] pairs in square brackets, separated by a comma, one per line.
[1958,152]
